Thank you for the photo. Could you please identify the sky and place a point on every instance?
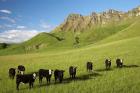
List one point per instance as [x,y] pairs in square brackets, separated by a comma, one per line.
[20,20]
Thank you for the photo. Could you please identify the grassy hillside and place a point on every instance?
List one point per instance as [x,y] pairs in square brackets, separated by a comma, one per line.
[65,40]
[124,44]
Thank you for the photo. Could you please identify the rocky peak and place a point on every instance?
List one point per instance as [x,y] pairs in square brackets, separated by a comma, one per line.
[73,22]
[73,17]
[134,12]
[77,22]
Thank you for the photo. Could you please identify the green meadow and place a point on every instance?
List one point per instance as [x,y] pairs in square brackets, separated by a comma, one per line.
[121,41]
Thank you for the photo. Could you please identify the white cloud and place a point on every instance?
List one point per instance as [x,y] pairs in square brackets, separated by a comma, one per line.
[6,26]
[17,36]
[5,11]
[47,27]
[21,27]
[8,19]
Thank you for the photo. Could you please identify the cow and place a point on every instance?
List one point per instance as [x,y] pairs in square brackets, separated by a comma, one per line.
[119,62]
[108,64]
[12,72]
[72,71]
[58,75]
[45,73]
[21,69]
[89,66]
[26,78]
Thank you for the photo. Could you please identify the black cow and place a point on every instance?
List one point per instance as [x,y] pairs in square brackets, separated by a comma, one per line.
[72,71]
[89,66]
[21,69]
[119,62]
[12,72]
[26,78]
[45,73]
[58,75]
[107,64]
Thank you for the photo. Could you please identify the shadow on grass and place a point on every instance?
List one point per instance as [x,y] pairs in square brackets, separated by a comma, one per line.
[84,77]
[130,66]
[102,70]
[67,80]
[78,78]
[111,69]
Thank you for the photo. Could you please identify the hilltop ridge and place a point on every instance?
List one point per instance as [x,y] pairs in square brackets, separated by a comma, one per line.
[78,22]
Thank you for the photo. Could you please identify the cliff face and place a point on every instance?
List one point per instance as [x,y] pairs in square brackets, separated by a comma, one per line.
[77,22]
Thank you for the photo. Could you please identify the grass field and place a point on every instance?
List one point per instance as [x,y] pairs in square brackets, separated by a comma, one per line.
[125,44]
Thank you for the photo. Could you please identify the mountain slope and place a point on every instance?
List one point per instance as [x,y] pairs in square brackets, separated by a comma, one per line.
[67,40]
[72,35]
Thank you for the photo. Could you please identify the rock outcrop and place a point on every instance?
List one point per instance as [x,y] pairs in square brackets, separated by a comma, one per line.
[77,22]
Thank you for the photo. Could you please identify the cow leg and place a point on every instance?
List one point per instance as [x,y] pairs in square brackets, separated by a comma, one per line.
[13,77]
[40,80]
[75,75]
[18,86]
[49,79]
[72,75]
[121,64]
[30,84]
[55,79]
[107,67]
[60,80]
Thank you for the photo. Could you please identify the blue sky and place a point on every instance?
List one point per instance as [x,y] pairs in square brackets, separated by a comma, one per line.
[44,15]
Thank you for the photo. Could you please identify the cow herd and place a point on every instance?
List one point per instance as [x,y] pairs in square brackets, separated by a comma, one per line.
[21,77]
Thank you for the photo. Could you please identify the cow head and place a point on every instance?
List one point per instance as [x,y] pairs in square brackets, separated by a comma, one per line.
[34,75]
[21,72]
[50,72]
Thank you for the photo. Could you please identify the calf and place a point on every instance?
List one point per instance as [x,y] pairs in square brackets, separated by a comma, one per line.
[58,75]
[72,71]
[119,62]
[26,78]
[89,66]
[21,69]
[12,72]
[107,64]
[45,73]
